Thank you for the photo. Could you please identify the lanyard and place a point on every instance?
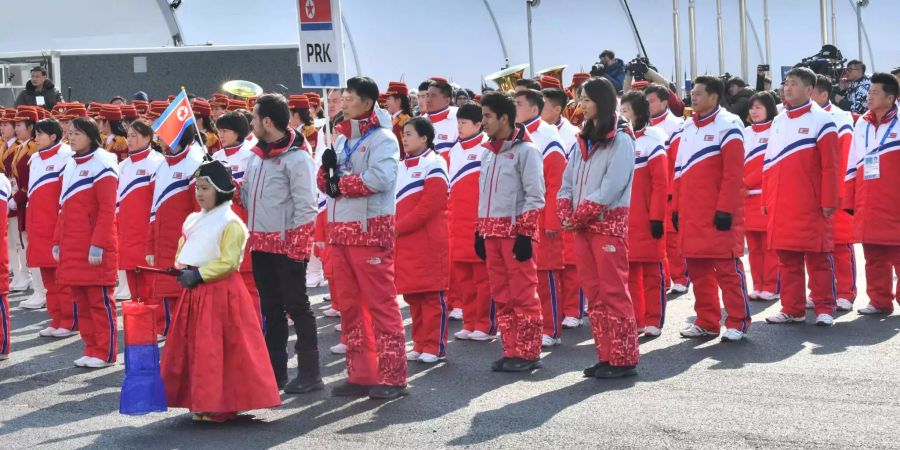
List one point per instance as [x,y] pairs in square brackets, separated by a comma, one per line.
[883,138]
[348,152]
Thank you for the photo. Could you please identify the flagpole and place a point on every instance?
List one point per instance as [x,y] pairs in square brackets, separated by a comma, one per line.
[196,128]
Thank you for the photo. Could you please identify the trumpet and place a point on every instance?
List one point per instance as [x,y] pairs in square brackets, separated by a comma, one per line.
[555,72]
[242,89]
[506,78]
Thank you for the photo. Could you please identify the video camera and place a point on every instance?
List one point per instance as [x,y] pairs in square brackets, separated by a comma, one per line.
[829,62]
[638,67]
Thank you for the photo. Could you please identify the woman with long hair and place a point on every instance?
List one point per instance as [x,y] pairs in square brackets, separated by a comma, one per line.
[594,201]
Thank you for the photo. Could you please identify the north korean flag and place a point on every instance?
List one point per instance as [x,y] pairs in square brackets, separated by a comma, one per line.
[176,118]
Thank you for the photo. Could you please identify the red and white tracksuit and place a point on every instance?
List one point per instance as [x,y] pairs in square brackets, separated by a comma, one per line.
[548,250]
[763,260]
[422,248]
[708,178]
[469,285]
[844,253]
[236,158]
[511,197]
[800,178]
[5,323]
[875,199]
[173,201]
[594,200]
[446,133]
[361,233]
[573,301]
[87,218]
[134,200]
[46,167]
[646,254]
[676,268]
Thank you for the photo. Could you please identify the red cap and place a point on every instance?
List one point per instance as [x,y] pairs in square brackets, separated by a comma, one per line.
[94,109]
[639,85]
[73,111]
[440,80]
[142,106]
[171,97]
[219,100]
[314,99]
[129,111]
[7,115]
[547,81]
[397,88]
[157,107]
[235,104]
[24,113]
[477,99]
[579,77]
[382,98]
[111,112]
[298,101]
[201,108]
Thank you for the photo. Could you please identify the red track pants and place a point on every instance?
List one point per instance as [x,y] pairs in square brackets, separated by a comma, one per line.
[514,288]
[370,315]
[5,324]
[677,266]
[572,295]
[845,271]
[763,263]
[469,285]
[793,282]
[647,286]
[429,322]
[882,261]
[550,292]
[711,274]
[60,304]
[97,321]
[603,270]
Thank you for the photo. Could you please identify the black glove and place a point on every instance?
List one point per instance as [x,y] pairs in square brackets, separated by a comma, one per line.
[522,248]
[333,187]
[188,278]
[849,211]
[479,247]
[722,221]
[329,159]
[656,229]
[675,220]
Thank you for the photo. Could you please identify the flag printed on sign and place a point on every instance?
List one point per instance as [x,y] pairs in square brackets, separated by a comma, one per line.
[315,15]
[174,120]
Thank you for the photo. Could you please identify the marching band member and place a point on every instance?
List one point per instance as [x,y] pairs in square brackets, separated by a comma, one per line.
[112,128]
[233,129]
[844,254]
[872,190]
[134,200]
[397,103]
[5,323]
[361,233]
[469,284]
[46,168]
[707,211]
[573,111]
[548,257]
[422,271]
[510,201]
[301,117]
[763,260]
[800,192]
[218,105]
[172,202]
[443,117]
[85,244]
[279,194]
[647,211]
[203,113]
[214,363]
[15,163]
[594,201]
[662,117]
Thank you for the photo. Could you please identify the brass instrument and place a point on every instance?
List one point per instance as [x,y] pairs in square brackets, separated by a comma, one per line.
[242,89]
[506,78]
[555,72]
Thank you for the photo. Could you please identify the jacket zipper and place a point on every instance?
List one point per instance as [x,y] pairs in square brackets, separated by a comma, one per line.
[491,188]
[260,172]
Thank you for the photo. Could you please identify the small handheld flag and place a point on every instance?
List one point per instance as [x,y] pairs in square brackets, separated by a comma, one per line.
[174,120]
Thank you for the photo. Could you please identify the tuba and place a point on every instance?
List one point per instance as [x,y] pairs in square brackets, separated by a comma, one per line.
[555,72]
[242,89]
[506,78]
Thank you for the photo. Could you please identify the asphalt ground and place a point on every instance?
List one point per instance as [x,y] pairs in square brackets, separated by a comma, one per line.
[797,386]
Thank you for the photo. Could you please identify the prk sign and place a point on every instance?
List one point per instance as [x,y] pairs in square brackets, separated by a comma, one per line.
[321,43]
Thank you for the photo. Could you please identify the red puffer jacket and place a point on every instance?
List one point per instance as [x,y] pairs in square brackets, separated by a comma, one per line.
[649,191]
[45,180]
[756,138]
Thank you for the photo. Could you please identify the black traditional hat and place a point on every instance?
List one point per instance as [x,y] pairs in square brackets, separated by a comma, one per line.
[218,175]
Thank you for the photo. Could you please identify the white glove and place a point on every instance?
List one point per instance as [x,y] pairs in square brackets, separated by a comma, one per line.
[55,252]
[151,260]
[95,256]
[12,204]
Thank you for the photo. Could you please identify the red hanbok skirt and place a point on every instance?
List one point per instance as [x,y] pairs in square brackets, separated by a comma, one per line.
[215,357]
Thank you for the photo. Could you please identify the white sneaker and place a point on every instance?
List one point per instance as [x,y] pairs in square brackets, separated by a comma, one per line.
[290,322]
[480,336]
[694,331]
[652,331]
[571,322]
[753,296]
[338,349]
[412,355]
[331,312]
[95,363]
[767,296]
[63,333]
[463,334]
[640,330]
[844,305]
[34,302]
[337,327]
[160,338]
[47,332]
[824,320]
[732,335]
[784,318]
[20,284]
[456,314]
[549,341]
[870,310]
[678,289]
[80,361]
[428,358]
[314,280]
[4,356]
[810,304]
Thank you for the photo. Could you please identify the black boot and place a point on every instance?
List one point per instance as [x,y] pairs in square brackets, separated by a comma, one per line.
[348,389]
[609,371]
[308,377]
[387,392]
[520,365]
[591,371]
[497,366]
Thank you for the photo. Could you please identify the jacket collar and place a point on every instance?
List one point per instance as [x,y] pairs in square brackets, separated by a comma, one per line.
[178,157]
[702,121]
[413,161]
[520,134]
[887,118]
[50,151]
[827,106]
[266,150]
[439,115]
[762,126]
[533,124]
[639,133]
[84,157]
[471,142]
[359,126]
[656,120]
[230,151]
[794,112]
[139,155]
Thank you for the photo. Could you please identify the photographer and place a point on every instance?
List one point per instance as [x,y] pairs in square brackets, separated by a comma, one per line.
[737,98]
[611,68]
[854,88]
[763,78]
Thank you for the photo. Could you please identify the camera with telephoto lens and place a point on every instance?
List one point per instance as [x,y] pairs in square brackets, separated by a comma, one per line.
[829,62]
[638,68]
[598,69]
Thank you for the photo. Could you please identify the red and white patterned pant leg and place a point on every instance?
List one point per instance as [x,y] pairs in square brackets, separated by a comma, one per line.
[500,290]
[362,364]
